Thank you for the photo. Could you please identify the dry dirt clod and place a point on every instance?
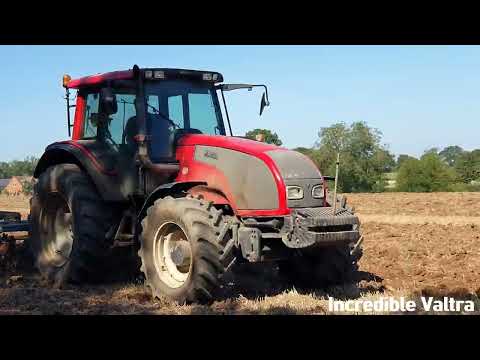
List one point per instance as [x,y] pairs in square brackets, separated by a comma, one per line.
[14,279]
[4,248]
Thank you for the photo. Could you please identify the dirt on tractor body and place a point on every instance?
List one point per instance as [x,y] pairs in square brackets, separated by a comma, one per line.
[415,244]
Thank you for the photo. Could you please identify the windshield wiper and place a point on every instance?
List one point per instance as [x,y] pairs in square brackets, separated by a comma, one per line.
[157,112]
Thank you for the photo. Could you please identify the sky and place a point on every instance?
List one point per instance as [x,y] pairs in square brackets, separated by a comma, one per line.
[419,97]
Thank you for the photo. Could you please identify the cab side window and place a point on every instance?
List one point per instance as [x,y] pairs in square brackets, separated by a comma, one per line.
[91,107]
[116,122]
[125,112]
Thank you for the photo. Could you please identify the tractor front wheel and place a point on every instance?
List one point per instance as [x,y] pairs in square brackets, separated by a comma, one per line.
[186,246]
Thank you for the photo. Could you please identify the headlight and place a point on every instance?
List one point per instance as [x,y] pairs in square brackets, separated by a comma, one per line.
[294,192]
[317,191]
[159,75]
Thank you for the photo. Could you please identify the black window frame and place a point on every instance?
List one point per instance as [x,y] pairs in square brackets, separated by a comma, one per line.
[185,103]
[124,90]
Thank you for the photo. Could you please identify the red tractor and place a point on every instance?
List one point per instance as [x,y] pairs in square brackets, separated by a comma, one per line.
[150,165]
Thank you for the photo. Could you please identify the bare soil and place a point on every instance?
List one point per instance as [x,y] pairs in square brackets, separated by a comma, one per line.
[415,244]
[17,203]
[424,204]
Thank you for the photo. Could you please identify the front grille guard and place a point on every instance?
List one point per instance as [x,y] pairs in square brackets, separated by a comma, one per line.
[319,227]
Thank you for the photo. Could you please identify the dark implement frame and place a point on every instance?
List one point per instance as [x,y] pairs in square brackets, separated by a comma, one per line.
[11,222]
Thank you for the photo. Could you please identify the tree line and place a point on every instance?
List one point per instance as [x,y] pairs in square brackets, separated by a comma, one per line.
[449,169]
[24,167]
[367,165]
[18,167]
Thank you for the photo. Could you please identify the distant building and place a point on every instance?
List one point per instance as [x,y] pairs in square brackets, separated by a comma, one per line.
[12,186]
[24,179]
[3,184]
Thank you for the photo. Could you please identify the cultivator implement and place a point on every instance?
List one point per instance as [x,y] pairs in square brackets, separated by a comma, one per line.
[10,224]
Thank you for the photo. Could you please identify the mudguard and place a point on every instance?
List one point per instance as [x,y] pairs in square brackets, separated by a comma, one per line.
[164,190]
[98,162]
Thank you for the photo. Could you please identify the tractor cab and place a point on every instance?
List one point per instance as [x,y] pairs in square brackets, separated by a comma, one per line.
[150,107]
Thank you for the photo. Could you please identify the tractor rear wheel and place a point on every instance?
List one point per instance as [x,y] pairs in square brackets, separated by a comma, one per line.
[69,222]
[321,268]
[186,247]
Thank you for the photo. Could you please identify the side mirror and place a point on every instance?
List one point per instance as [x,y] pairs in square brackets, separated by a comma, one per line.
[108,101]
[263,103]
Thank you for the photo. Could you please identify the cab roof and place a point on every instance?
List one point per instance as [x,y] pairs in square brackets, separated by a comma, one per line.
[167,73]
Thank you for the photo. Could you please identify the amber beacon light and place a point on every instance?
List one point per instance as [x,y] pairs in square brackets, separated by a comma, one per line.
[66,79]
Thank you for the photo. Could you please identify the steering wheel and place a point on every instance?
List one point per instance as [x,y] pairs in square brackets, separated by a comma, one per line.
[105,132]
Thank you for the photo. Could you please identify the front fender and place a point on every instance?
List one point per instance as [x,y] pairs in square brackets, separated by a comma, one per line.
[165,190]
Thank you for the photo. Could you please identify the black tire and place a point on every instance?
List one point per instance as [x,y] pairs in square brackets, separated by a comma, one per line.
[65,191]
[321,268]
[206,233]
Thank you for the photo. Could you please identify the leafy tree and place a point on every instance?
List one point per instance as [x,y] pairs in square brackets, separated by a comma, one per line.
[18,167]
[467,166]
[450,154]
[363,159]
[269,137]
[409,177]
[428,174]
[402,158]
[27,187]
[333,138]
[433,150]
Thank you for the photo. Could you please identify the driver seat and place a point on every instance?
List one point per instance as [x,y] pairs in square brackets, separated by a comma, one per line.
[160,139]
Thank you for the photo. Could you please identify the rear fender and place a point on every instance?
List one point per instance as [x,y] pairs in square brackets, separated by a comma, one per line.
[69,152]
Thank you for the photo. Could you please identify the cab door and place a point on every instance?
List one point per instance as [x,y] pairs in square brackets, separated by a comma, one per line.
[105,140]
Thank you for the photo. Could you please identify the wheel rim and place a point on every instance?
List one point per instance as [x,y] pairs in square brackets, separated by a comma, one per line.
[172,255]
[57,231]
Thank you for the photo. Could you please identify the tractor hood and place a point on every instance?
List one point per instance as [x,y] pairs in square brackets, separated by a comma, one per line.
[234,143]
[291,164]
[252,174]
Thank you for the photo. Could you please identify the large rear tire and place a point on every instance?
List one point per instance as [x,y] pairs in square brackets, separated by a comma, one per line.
[186,247]
[321,268]
[69,222]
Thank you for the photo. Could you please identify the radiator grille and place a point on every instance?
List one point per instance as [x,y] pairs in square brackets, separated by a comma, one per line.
[322,212]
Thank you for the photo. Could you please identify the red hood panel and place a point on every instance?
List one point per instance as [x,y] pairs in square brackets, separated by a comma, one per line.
[234,143]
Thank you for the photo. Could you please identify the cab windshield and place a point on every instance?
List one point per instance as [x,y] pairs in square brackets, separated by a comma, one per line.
[192,106]
[174,108]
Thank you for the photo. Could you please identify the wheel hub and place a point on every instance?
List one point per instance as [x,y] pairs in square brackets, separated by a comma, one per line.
[180,253]
[172,255]
[57,230]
